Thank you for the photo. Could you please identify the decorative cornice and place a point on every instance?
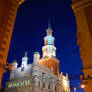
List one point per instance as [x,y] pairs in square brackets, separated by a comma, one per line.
[19,1]
[81,4]
[90,78]
[48,58]
[85,68]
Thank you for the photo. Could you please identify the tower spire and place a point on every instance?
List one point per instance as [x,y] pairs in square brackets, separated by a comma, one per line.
[49,48]
[49,30]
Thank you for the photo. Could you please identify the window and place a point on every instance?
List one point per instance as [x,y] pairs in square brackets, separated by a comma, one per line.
[49,86]
[88,76]
[22,69]
[55,88]
[52,43]
[10,85]
[46,42]
[26,82]
[43,85]
[38,83]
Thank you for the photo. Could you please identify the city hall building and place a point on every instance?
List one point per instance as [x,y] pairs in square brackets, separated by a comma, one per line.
[42,75]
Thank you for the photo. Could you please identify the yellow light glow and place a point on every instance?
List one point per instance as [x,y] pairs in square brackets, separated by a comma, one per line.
[65,82]
[82,86]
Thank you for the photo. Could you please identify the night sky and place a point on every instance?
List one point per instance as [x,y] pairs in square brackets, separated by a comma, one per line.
[30,29]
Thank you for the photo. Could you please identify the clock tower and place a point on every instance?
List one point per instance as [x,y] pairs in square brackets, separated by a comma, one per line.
[49,59]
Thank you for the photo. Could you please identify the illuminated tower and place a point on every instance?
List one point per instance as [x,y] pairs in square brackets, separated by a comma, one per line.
[83,14]
[8,11]
[49,59]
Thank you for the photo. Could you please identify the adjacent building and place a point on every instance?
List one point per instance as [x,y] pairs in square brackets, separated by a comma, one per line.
[83,14]
[8,11]
[42,75]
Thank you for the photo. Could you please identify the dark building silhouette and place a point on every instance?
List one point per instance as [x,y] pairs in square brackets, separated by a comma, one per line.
[8,11]
[83,13]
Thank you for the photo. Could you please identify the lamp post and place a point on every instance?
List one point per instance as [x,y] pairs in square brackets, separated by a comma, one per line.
[82,86]
[74,89]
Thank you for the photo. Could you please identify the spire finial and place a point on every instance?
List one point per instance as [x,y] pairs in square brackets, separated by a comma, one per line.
[49,30]
[49,25]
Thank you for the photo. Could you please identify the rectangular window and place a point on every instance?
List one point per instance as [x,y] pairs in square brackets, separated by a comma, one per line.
[22,69]
[55,88]
[39,84]
[49,86]
[43,85]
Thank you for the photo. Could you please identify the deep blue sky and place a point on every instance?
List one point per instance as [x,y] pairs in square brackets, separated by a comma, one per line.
[30,29]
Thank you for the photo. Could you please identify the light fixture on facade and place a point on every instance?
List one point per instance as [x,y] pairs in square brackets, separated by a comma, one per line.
[82,85]
[65,82]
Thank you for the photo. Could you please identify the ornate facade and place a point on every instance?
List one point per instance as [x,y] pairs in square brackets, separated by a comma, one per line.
[83,14]
[8,10]
[40,76]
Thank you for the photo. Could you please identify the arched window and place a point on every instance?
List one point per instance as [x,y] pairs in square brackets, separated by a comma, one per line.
[46,42]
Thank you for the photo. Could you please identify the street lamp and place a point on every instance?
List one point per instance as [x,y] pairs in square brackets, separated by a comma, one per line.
[82,86]
[74,89]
